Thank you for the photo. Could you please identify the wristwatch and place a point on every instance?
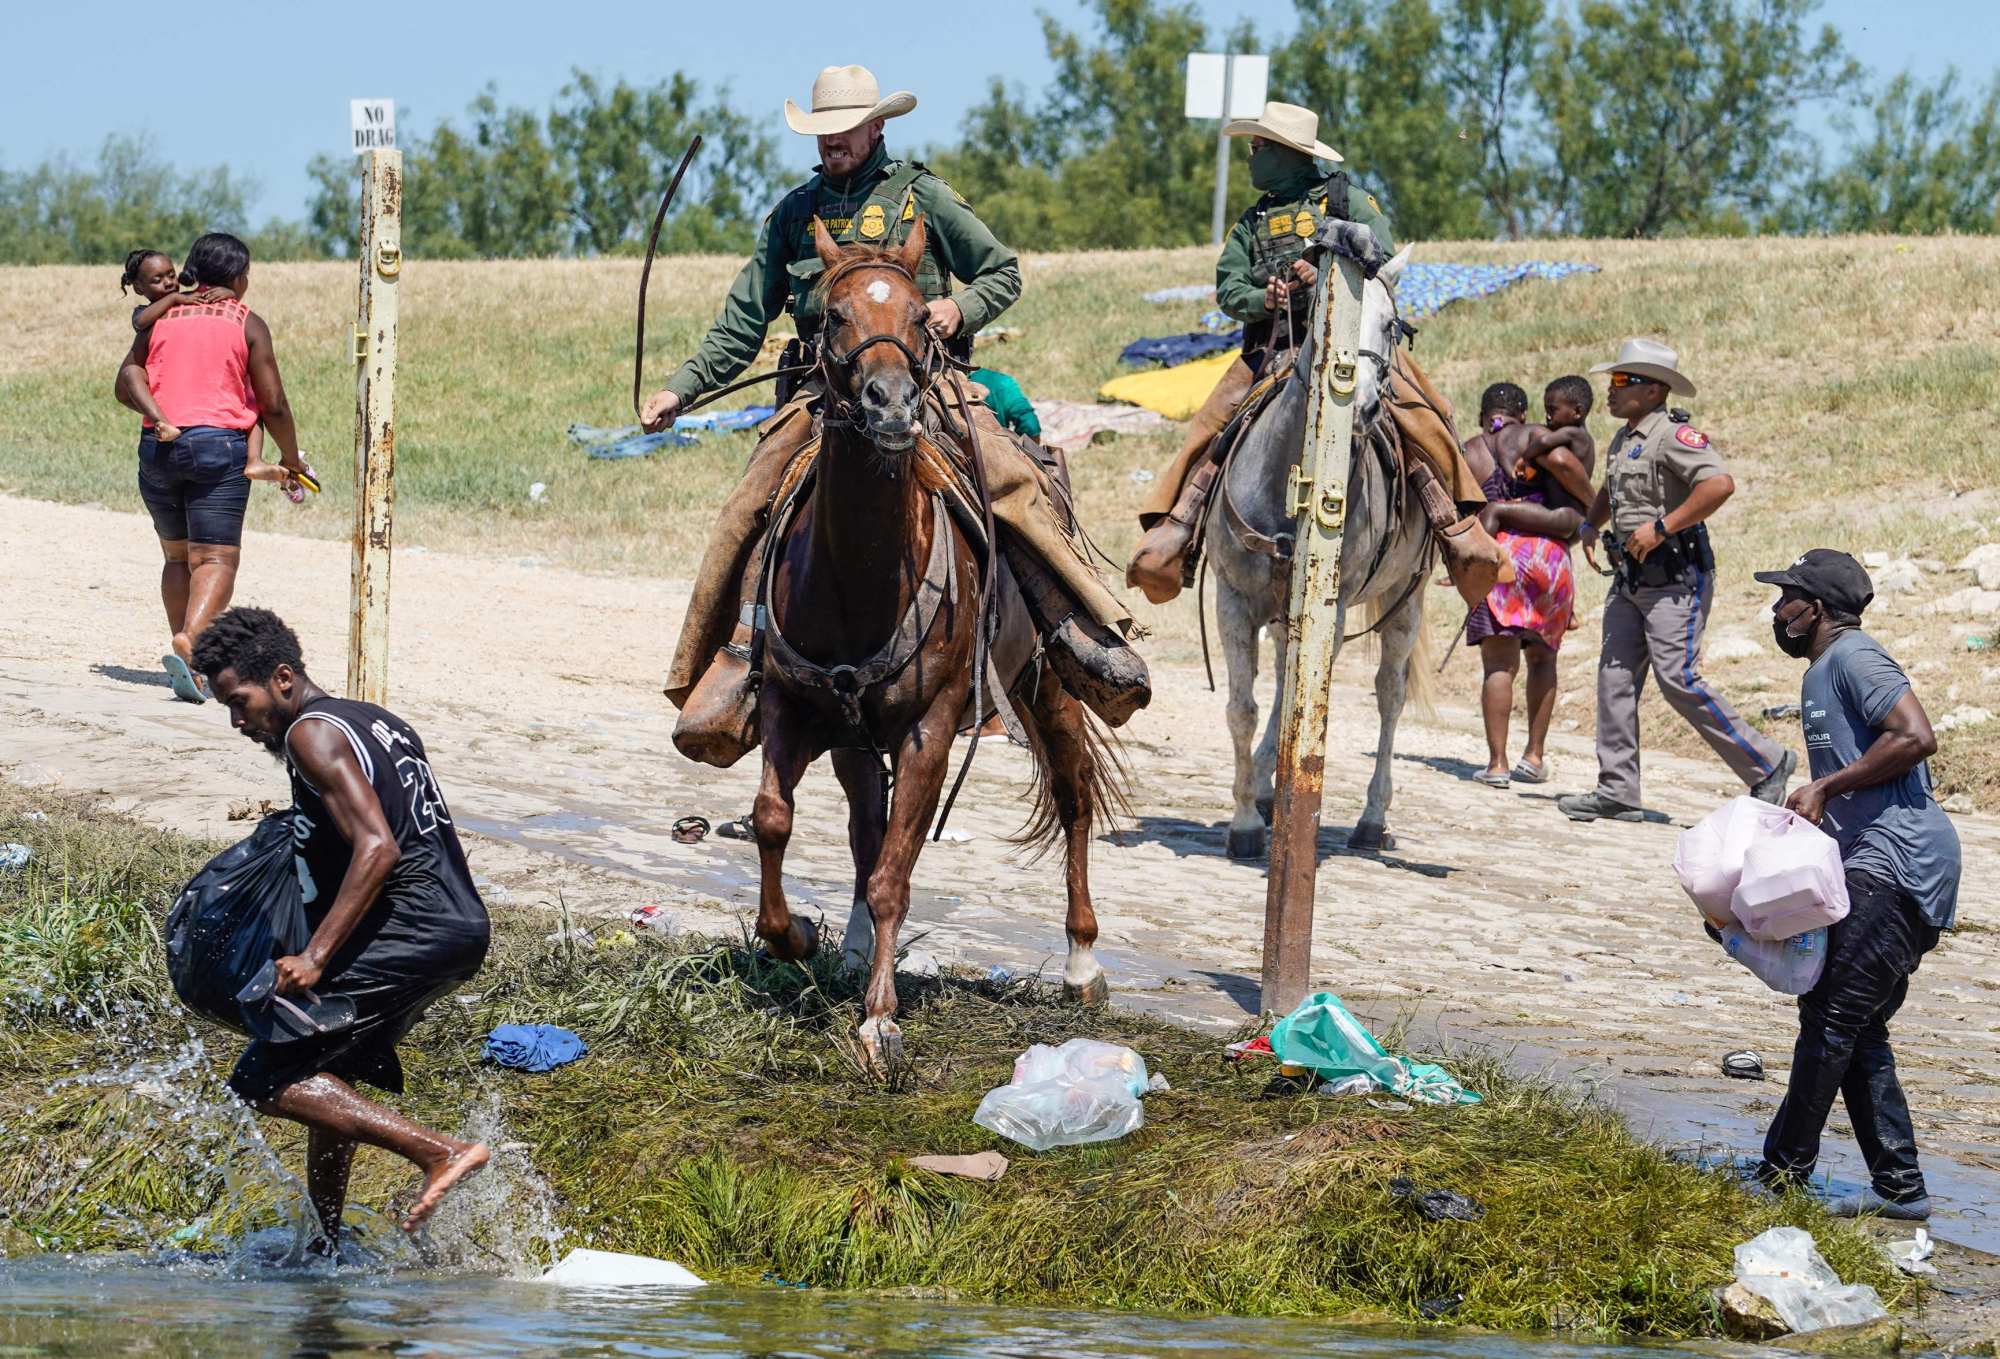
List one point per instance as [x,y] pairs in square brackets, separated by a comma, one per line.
[1660,527]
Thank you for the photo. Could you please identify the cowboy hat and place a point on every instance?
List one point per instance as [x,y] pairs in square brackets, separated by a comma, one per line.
[1649,359]
[843,98]
[1287,125]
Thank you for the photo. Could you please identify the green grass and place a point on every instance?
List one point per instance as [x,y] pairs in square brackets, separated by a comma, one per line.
[721,1120]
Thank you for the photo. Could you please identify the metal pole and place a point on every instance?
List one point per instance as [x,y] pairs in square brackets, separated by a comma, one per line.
[1318,497]
[1221,210]
[375,425]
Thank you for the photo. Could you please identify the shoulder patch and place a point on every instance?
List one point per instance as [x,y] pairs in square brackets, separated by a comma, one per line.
[1692,437]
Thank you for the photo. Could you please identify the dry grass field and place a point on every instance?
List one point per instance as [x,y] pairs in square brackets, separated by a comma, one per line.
[1848,381]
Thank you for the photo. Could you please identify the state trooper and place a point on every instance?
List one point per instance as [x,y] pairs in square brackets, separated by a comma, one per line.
[1663,478]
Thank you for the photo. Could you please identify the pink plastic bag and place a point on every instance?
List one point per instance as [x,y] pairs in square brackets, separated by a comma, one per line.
[1792,882]
[1708,856]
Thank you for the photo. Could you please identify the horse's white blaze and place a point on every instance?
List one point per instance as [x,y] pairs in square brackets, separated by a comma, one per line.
[879,290]
[1082,968]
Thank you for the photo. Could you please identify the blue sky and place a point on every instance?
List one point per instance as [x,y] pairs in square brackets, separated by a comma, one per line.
[283,72]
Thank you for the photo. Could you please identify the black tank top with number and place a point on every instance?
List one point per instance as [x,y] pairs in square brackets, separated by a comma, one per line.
[428,913]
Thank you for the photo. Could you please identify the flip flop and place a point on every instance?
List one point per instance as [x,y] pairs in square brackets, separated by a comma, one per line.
[1490,779]
[1744,1065]
[182,678]
[1527,773]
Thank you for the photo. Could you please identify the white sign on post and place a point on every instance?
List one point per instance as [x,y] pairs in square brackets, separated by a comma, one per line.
[1224,85]
[374,123]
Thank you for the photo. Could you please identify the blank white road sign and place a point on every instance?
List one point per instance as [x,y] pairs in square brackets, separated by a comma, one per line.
[1248,80]
[374,123]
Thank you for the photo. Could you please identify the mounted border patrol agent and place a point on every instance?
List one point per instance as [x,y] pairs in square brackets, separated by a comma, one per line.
[1264,280]
[1663,478]
[864,196]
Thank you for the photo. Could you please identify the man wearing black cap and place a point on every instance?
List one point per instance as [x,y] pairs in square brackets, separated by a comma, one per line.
[1867,740]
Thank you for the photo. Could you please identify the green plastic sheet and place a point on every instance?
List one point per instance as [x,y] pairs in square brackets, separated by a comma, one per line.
[1323,1037]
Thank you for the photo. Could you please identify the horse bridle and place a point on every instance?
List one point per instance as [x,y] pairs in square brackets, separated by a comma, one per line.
[924,367]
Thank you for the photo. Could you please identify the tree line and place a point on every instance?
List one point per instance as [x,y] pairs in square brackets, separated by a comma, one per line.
[1467,118]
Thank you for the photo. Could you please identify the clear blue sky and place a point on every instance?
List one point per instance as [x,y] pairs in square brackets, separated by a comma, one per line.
[285,71]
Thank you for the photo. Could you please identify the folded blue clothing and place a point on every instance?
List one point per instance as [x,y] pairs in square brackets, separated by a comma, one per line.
[1171,350]
[746,418]
[626,441]
[533,1047]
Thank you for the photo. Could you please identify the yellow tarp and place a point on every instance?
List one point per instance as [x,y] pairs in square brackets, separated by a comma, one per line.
[1176,393]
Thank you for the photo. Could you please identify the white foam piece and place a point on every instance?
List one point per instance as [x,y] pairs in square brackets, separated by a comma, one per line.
[610,1269]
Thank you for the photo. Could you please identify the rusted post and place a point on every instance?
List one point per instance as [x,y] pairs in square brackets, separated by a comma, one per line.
[375,424]
[1318,497]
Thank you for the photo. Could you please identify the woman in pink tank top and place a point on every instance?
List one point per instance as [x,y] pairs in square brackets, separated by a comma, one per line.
[206,372]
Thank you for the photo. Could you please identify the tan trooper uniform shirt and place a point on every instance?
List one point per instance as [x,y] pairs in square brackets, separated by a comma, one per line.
[1652,466]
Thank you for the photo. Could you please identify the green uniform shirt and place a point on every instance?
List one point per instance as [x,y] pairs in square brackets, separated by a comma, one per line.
[784,265]
[1009,404]
[1651,466]
[1274,231]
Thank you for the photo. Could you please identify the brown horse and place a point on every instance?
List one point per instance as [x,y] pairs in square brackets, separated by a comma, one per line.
[874,592]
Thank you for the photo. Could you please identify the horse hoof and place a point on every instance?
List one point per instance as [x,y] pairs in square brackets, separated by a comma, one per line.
[1092,995]
[1370,837]
[881,1046]
[1247,844]
[1264,809]
[796,944]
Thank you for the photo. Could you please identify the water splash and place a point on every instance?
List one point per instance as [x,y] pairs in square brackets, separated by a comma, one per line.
[503,1219]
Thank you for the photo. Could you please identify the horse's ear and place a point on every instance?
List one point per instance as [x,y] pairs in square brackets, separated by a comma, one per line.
[1389,272]
[823,242]
[913,247]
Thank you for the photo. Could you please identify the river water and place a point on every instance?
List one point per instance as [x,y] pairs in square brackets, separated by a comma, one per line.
[92,1306]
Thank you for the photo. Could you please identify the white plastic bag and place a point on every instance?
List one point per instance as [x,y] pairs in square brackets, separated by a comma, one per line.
[612,1269]
[1792,882]
[1083,1091]
[1708,856]
[1785,1268]
[1791,966]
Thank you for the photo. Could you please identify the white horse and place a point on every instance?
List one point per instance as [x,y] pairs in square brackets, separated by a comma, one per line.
[1385,557]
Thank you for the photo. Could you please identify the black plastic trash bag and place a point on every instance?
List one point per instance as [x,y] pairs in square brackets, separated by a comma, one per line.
[246,908]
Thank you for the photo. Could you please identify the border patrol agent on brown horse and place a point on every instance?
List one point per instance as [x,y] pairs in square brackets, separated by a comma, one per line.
[863,196]
[1264,280]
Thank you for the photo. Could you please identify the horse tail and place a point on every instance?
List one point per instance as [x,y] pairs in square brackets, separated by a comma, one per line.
[1420,671]
[1107,780]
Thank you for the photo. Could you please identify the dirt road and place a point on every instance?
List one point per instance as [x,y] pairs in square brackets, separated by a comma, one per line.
[1494,919]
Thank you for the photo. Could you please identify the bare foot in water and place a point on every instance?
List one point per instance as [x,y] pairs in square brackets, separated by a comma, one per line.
[445,1178]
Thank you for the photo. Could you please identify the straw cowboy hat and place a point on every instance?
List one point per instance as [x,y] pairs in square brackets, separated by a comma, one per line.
[1287,125]
[1649,359]
[843,98]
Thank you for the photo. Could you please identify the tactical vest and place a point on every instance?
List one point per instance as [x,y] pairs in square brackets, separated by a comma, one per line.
[1279,234]
[882,218]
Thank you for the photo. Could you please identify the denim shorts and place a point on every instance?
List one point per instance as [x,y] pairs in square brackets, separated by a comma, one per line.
[195,486]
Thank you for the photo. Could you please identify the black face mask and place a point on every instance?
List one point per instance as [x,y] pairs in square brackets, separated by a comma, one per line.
[1798,647]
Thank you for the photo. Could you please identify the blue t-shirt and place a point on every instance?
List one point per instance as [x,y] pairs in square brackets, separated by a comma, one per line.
[1893,831]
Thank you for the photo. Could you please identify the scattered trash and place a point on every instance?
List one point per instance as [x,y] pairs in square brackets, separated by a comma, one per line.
[984,1165]
[690,829]
[1785,1268]
[15,855]
[1260,1046]
[1360,1083]
[1141,475]
[997,973]
[1083,1091]
[1912,1256]
[1782,710]
[1430,1309]
[777,1280]
[35,816]
[538,492]
[612,1269]
[739,829]
[533,1047]
[954,837]
[1435,1205]
[1323,1037]
[1981,643]
[651,916]
[1744,1065]
[575,934]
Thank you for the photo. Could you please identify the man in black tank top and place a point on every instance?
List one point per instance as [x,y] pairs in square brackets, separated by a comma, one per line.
[396,922]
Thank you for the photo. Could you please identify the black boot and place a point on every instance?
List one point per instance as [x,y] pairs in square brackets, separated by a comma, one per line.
[1092,661]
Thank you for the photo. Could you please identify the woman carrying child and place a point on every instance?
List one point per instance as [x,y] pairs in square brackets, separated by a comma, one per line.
[202,374]
[1537,484]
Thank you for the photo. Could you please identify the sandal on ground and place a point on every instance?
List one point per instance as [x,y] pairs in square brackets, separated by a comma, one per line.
[1490,779]
[1527,773]
[182,678]
[739,829]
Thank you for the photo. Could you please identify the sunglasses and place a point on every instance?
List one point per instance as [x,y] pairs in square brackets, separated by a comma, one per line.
[1630,380]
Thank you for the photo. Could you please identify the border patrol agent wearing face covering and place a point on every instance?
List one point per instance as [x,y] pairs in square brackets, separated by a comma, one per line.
[1662,479]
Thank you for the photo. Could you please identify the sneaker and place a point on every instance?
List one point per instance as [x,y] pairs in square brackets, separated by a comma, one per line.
[1771,788]
[1595,807]
[1867,1202]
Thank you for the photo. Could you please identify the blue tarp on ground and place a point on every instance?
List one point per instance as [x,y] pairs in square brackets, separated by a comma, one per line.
[627,442]
[1422,290]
